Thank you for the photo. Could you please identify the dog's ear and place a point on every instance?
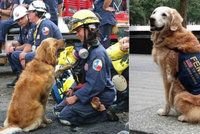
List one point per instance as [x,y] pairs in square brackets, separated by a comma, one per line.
[46,52]
[176,20]
[60,44]
[51,54]
[41,50]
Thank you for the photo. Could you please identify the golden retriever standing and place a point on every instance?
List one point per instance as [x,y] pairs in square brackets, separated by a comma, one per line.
[168,35]
[26,111]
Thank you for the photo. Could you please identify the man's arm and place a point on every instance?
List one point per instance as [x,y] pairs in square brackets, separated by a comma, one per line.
[5,11]
[106,5]
[60,6]
[27,48]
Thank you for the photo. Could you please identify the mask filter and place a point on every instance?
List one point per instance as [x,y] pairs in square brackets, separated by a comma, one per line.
[81,53]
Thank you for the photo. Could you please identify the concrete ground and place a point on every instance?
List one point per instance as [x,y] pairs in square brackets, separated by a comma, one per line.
[147,96]
[56,128]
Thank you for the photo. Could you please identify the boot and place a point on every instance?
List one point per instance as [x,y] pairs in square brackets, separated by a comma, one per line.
[122,106]
[3,61]
[3,55]
[111,115]
[12,84]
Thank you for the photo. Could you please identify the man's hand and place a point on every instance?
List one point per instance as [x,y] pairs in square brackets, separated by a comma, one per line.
[22,59]
[22,56]
[71,100]
[10,49]
[69,92]
[23,63]
[110,9]
[124,42]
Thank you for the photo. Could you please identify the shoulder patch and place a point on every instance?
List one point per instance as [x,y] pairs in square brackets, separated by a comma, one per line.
[97,65]
[45,30]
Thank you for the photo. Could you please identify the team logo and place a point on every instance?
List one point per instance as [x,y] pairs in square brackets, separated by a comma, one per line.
[97,65]
[17,14]
[45,30]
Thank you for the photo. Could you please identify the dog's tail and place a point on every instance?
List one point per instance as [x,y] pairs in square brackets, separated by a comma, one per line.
[10,130]
[189,106]
[190,98]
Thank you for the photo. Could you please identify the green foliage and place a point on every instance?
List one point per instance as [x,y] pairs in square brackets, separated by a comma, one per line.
[140,10]
[193,15]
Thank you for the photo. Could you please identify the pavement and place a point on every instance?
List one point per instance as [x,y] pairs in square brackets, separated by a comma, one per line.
[146,96]
[56,128]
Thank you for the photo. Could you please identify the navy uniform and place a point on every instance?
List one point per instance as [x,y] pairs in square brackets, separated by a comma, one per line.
[6,24]
[53,9]
[42,31]
[18,2]
[97,84]
[107,21]
[26,37]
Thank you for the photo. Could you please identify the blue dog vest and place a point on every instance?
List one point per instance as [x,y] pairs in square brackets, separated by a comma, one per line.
[189,71]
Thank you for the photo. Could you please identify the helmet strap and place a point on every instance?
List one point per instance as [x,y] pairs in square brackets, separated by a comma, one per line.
[85,37]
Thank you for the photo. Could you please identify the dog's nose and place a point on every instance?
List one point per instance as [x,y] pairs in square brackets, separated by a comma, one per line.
[152,20]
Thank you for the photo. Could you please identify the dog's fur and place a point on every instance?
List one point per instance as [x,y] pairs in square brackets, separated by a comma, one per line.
[168,34]
[26,110]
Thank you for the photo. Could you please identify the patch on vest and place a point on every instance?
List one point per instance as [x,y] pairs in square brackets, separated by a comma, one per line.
[45,30]
[97,65]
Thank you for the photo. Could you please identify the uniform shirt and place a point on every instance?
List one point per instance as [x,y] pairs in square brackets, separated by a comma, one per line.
[26,34]
[98,78]
[5,4]
[53,9]
[106,16]
[24,2]
[46,29]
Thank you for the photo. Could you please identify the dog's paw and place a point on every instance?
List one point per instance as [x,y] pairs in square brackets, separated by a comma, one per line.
[5,124]
[47,121]
[182,118]
[42,125]
[162,112]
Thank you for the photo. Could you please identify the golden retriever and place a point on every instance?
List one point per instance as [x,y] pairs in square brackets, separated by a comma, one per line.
[26,110]
[168,35]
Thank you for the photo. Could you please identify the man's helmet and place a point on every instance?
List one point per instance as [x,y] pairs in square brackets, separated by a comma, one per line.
[19,12]
[82,17]
[37,5]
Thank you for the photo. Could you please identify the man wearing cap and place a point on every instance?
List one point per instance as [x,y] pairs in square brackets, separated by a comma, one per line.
[53,8]
[105,10]
[44,28]
[6,24]
[13,49]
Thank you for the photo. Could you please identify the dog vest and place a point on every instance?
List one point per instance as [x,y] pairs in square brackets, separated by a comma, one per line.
[189,71]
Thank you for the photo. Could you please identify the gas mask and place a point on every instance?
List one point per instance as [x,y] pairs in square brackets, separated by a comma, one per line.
[80,51]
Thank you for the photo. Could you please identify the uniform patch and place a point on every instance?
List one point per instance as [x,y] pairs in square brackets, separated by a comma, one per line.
[17,14]
[45,30]
[97,65]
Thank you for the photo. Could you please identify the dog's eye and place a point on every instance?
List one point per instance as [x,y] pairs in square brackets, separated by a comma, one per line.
[164,14]
[154,12]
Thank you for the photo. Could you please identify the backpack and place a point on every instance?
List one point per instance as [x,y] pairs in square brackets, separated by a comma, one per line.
[63,83]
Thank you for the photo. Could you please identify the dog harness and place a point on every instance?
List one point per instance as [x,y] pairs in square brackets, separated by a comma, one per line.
[189,71]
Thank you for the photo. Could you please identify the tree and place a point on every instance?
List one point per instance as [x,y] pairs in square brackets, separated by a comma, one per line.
[140,10]
[137,14]
[183,11]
